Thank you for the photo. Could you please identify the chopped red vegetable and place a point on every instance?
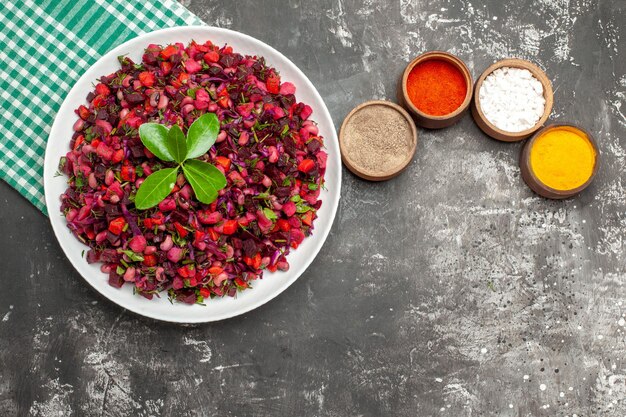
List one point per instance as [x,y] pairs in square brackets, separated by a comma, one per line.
[268,149]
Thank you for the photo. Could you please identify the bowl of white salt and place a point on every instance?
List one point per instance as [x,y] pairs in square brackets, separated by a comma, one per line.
[512,99]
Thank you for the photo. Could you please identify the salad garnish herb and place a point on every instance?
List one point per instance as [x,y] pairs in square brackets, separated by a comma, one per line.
[171,145]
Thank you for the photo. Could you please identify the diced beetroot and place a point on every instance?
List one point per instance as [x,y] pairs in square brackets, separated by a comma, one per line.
[137,244]
[306,112]
[322,157]
[115,279]
[297,235]
[265,224]
[202,95]
[92,256]
[104,151]
[268,149]
[206,217]
[116,188]
[245,109]
[289,208]
[201,105]
[278,113]
[192,66]
[134,122]
[295,222]
[287,88]
[168,204]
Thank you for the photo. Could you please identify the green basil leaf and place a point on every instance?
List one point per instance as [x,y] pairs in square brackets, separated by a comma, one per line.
[262,196]
[205,179]
[204,190]
[202,135]
[154,137]
[212,174]
[155,188]
[176,144]
[302,208]
[131,255]
[269,213]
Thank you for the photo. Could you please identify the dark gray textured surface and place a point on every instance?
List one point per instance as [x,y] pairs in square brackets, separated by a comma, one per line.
[449,291]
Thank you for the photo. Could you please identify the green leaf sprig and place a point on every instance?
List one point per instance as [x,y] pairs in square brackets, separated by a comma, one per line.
[171,145]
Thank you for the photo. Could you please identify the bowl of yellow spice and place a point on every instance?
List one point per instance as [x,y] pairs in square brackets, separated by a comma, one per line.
[559,161]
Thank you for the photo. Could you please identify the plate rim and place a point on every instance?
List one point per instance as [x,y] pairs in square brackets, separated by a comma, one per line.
[50,166]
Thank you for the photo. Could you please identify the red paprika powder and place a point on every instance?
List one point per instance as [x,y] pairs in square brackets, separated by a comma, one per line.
[436,87]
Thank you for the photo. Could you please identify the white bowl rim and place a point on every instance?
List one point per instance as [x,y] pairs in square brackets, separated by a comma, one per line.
[315,242]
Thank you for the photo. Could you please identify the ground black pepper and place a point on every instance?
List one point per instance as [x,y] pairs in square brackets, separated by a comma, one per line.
[377,139]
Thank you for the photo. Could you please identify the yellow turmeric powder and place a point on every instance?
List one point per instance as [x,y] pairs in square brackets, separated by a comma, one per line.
[563,158]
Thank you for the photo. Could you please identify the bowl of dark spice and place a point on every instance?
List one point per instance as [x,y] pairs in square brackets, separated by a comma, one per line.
[512,99]
[436,87]
[377,140]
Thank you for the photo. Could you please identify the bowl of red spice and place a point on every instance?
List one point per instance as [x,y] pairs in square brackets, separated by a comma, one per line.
[436,87]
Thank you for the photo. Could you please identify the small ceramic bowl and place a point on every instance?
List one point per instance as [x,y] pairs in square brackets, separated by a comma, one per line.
[499,134]
[427,120]
[360,171]
[539,187]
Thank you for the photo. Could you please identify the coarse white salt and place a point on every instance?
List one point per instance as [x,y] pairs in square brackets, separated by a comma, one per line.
[512,99]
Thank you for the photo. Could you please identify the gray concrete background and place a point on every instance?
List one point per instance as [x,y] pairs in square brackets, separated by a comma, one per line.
[451,290]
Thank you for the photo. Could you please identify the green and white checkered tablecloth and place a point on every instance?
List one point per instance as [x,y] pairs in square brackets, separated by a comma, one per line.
[45,46]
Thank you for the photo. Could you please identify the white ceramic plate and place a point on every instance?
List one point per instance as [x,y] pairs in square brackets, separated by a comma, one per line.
[263,290]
